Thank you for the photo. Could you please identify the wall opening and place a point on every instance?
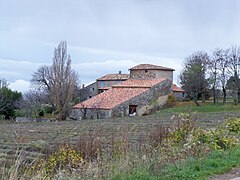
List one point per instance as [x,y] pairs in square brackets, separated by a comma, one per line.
[132,110]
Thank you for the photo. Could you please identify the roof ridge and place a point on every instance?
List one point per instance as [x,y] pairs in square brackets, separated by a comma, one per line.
[150,66]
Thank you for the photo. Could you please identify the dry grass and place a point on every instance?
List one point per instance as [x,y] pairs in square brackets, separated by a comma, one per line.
[107,146]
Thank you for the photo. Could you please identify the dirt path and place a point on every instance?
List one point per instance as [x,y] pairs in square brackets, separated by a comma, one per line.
[234,174]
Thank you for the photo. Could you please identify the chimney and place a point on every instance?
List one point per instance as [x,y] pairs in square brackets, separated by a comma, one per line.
[120,72]
[83,85]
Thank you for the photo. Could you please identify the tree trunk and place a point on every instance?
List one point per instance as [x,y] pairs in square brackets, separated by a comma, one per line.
[203,97]
[214,95]
[195,101]
[224,95]
[238,96]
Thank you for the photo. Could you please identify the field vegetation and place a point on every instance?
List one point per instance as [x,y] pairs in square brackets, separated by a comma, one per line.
[196,143]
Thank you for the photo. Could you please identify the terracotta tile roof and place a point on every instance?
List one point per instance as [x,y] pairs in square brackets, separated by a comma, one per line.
[110,98]
[114,77]
[150,67]
[118,94]
[175,88]
[140,82]
[103,88]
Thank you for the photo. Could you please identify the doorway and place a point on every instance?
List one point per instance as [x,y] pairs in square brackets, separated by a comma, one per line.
[132,109]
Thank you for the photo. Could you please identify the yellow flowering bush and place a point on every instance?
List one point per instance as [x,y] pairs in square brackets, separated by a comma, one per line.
[233,125]
[220,138]
[66,158]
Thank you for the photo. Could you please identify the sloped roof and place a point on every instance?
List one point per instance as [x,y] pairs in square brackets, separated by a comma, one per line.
[118,94]
[150,67]
[147,83]
[103,88]
[113,77]
[110,98]
[175,88]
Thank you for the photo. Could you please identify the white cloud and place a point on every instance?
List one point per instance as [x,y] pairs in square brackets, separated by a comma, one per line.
[20,85]
[89,72]
[13,70]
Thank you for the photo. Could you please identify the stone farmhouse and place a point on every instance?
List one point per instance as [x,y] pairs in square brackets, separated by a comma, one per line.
[116,95]
[102,84]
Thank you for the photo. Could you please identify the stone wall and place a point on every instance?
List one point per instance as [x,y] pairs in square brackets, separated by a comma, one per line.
[164,74]
[79,114]
[25,120]
[150,74]
[146,101]
[88,91]
[108,83]
[180,95]
[142,74]
[92,89]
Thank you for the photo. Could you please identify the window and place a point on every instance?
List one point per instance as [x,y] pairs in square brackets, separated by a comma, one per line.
[101,83]
[146,71]
[100,91]
[118,82]
[92,89]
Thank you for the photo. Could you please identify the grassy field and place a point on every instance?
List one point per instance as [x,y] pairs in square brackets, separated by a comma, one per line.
[34,139]
[217,162]
[207,107]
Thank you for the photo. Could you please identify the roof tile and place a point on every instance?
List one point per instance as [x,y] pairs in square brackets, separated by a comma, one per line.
[118,94]
[175,88]
[150,67]
[114,77]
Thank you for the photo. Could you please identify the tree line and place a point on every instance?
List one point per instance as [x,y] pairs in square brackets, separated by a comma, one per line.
[54,89]
[215,75]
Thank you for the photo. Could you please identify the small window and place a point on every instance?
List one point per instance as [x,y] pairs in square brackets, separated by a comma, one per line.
[92,90]
[101,83]
[100,91]
[118,82]
[146,71]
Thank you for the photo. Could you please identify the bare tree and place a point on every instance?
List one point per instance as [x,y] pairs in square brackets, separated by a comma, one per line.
[222,66]
[42,78]
[58,79]
[212,65]
[33,101]
[217,67]
[234,63]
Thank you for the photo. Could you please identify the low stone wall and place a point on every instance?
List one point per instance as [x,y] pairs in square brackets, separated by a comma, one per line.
[25,120]
[78,114]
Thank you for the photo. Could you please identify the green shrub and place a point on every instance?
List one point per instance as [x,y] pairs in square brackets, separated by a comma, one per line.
[48,108]
[171,98]
[233,125]
[171,101]
[185,128]
[188,135]
[66,158]
[40,112]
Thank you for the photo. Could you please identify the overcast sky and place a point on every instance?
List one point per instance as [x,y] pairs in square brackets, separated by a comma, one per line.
[105,36]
